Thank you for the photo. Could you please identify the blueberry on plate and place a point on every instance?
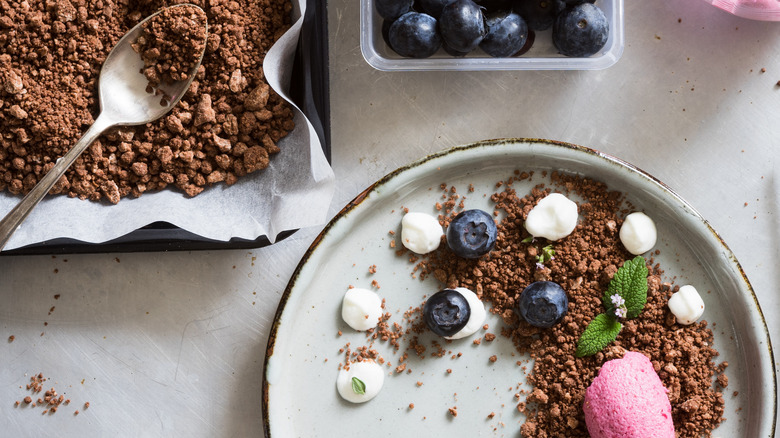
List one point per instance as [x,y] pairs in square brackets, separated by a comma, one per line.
[414,35]
[543,304]
[446,312]
[538,14]
[581,30]
[462,25]
[507,33]
[472,233]
[392,9]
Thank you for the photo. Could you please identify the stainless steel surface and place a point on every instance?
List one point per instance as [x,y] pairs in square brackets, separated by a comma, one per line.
[172,344]
[124,101]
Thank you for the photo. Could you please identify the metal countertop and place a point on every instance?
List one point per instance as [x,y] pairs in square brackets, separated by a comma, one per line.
[172,344]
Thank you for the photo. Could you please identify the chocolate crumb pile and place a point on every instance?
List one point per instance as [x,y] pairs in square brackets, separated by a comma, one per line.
[170,44]
[226,126]
[583,265]
[51,400]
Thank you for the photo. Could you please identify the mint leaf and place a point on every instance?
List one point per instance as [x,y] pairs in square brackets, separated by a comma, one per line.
[358,386]
[548,254]
[528,239]
[599,333]
[630,282]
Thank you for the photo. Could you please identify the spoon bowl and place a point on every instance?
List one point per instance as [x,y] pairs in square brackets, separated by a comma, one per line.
[122,89]
[124,101]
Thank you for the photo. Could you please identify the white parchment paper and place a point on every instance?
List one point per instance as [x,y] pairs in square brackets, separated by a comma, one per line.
[293,192]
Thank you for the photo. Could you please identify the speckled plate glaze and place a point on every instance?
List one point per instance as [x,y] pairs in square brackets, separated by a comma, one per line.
[299,393]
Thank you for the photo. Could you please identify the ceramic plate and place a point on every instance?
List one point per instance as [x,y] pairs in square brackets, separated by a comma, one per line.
[300,397]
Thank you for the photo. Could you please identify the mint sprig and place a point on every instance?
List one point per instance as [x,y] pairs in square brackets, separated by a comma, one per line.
[625,297]
[630,282]
[358,386]
[600,332]
[546,253]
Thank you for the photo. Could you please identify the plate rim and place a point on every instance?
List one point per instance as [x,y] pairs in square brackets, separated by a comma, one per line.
[360,197]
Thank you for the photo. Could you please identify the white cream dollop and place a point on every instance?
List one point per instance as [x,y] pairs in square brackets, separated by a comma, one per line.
[420,233]
[476,317]
[686,305]
[638,233]
[368,372]
[361,308]
[554,217]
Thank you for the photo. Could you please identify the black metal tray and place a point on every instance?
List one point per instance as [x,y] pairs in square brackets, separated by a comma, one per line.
[309,91]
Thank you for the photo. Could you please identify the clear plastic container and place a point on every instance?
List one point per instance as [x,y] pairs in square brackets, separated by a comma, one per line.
[764,10]
[542,56]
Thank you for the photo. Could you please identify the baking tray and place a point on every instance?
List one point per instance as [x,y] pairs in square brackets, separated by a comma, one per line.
[309,91]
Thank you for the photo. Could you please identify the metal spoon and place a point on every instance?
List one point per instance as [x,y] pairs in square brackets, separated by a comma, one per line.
[124,101]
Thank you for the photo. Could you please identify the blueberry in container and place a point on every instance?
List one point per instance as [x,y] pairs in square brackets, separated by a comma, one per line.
[543,55]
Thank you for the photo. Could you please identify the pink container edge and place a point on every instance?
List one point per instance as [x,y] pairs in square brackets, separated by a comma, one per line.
[762,10]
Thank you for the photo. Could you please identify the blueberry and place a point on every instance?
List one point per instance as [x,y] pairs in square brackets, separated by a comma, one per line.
[386,30]
[462,25]
[452,52]
[507,33]
[576,2]
[543,304]
[538,14]
[392,9]
[434,7]
[414,35]
[495,5]
[472,233]
[446,312]
[581,30]
[529,42]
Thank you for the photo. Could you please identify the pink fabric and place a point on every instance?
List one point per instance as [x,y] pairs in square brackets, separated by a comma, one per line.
[765,10]
[628,400]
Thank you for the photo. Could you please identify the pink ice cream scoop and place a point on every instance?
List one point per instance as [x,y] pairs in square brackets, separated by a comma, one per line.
[628,400]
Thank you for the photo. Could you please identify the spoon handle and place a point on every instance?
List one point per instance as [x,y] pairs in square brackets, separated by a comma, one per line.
[15,217]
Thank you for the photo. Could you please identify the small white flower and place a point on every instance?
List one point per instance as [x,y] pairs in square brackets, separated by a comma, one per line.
[617,300]
[620,305]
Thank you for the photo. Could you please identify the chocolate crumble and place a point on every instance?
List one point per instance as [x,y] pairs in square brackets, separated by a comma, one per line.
[584,263]
[226,126]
